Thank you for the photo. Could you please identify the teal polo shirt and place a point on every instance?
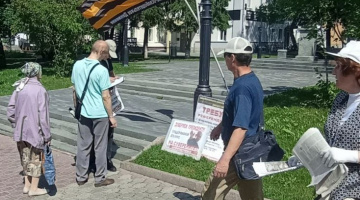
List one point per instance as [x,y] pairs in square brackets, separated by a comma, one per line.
[93,106]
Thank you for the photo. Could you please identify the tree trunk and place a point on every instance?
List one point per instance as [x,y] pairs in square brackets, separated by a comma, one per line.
[2,56]
[146,41]
[188,45]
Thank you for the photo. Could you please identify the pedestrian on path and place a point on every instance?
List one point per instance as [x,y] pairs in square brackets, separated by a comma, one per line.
[28,112]
[96,112]
[242,110]
[107,63]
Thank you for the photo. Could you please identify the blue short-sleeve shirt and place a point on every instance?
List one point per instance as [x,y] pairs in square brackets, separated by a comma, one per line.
[243,106]
[93,106]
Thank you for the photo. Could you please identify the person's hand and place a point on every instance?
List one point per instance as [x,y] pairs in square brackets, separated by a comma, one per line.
[113,122]
[293,161]
[336,155]
[112,79]
[48,143]
[215,133]
[221,168]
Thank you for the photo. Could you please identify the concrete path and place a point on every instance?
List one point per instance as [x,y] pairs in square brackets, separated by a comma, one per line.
[127,186]
[187,73]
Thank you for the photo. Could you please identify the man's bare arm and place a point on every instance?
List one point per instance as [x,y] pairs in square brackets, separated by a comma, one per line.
[236,139]
[107,102]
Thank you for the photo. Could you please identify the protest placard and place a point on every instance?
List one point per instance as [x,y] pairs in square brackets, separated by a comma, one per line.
[209,112]
[186,138]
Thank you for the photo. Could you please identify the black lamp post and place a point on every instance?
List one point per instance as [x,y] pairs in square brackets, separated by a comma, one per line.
[203,88]
[125,55]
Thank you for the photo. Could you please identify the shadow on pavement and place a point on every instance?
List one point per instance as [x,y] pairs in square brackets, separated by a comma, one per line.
[185,196]
[166,112]
[52,190]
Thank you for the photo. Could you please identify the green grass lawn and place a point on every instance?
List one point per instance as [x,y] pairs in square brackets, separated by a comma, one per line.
[12,73]
[304,110]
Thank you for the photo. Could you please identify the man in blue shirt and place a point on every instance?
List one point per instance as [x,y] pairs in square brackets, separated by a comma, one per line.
[241,118]
[96,112]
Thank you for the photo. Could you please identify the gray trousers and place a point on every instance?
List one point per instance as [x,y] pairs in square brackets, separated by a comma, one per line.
[110,143]
[92,130]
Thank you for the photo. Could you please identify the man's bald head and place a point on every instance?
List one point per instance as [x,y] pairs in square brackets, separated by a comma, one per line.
[100,50]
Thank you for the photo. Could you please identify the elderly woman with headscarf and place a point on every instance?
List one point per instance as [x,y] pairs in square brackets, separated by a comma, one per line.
[28,112]
[342,127]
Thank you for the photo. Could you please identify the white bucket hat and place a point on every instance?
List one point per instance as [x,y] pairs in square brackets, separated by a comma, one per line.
[351,51]
[237,45]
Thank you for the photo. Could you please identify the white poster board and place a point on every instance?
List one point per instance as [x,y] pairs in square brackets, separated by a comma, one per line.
[209,112]
[117,104]
[186,138]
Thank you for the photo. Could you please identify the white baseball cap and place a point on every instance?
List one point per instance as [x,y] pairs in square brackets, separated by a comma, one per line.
[112,48]
[351,51]
[237,45]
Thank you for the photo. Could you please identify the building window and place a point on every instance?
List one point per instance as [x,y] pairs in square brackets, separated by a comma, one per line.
[151,34]
[280,34]
[161,35]
[223,35]
[273,34]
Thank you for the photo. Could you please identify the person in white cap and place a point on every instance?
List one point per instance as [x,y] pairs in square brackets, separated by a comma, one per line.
[242,111]
[342,127]
[107,63]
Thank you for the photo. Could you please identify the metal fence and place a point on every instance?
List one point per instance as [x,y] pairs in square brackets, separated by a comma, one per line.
[268,47]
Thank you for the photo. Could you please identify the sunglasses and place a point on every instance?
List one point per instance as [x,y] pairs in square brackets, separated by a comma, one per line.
[227,54]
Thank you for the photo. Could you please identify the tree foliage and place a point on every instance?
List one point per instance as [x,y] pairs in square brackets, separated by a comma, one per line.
[55,27]
[312,14]
[175,15]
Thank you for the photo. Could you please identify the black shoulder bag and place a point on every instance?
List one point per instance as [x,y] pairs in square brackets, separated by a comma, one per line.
[79,101]
[262,147]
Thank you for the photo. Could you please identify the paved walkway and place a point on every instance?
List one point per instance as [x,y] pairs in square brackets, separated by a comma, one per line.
[187,73]
[128,185]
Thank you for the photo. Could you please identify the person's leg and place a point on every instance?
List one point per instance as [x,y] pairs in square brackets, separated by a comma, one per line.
[84,145]
[27,184]
[217,188]
[251,189]
[101,128]
[24,153]
[110,165]
[34,171]
[92,167]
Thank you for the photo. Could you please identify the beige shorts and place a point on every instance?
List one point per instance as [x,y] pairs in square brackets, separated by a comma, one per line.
[30,159]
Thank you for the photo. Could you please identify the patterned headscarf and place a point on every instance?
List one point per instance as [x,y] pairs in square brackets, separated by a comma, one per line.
[30,69]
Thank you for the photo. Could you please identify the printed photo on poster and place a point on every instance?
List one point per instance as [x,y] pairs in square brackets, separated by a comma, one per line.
[186,138]
[117,103]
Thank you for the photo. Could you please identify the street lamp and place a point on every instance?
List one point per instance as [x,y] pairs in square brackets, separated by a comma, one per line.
[203,88]
[125,55]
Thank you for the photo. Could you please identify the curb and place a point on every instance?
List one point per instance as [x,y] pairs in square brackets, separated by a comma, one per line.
[180,181]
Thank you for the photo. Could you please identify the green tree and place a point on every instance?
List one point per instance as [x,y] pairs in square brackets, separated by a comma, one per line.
[312,14]
[4,30]
[149,18]
[181,19]
[55,27]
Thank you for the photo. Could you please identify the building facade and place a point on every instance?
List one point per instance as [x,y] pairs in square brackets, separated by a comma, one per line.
[272,36]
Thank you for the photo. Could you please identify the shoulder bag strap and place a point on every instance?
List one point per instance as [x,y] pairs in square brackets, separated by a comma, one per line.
[87,82]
